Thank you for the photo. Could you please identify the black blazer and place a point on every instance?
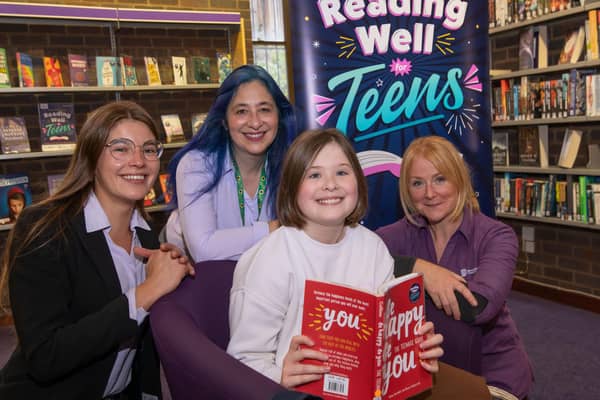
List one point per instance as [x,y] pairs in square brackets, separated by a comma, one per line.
[71,318]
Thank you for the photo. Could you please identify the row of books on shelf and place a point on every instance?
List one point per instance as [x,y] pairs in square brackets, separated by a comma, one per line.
[572,199]
[110,71]
[579,44]
[58,130]
[575,93]
[504,12]
[532,147]
[15,193]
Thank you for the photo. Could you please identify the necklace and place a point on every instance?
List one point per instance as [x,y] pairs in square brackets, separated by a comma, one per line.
[260,193]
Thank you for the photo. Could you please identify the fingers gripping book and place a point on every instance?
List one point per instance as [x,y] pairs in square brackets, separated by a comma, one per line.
[370,339]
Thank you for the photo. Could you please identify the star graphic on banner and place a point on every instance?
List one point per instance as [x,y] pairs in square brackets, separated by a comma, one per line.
[379,82]
[316,44]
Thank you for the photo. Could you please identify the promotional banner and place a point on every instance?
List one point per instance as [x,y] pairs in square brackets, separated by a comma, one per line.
[386,72]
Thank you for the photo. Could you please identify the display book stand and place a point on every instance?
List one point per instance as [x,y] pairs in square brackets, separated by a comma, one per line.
[113,22]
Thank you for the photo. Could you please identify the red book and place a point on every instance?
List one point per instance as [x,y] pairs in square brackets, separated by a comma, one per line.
[369,338]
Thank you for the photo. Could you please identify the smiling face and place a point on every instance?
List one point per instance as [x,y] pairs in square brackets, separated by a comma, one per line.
[124,182]
[328,192]
[433,196]
[252,120]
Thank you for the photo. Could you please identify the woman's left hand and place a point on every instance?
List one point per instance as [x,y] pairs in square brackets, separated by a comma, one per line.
[431,347]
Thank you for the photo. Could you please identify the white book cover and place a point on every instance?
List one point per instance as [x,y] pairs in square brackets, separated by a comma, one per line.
[179,70]
[570,148]
[173,129]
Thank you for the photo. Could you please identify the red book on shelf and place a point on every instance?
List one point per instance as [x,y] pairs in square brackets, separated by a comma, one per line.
[369,338]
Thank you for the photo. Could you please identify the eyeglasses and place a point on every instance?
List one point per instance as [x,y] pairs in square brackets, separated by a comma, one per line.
[123,149]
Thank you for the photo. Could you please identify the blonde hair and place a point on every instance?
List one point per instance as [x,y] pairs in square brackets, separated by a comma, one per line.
[448,161]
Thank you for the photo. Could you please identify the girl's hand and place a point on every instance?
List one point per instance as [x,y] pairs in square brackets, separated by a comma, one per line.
[294,372]
[440,283]
[431,349]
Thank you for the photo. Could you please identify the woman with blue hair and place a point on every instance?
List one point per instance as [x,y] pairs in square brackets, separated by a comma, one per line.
[226,177]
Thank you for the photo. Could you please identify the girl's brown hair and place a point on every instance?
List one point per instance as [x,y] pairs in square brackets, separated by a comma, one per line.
[298,159]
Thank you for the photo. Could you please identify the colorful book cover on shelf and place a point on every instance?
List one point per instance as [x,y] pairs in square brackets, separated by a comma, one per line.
[54,181]
[179,70]
[201,69]
[500,148]
[52,72]
[166,194]
[25,70]
[15,194]
[570,148]
[197,121]
[57,126]
[13,135]
[4,74]
[223,65]
[173,129]
[108,71]
[152,71]
[128,73]
[369,338]
[78,70]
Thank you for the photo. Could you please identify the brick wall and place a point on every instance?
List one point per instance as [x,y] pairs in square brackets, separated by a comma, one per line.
[565,257]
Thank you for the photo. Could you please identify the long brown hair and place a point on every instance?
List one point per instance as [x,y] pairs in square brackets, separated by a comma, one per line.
[77,184]
[299,157]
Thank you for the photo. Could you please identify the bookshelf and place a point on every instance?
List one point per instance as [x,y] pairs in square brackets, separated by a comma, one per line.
[522,113]
[59,30]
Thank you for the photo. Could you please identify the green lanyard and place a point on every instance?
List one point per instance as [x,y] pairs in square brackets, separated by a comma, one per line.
[260,194]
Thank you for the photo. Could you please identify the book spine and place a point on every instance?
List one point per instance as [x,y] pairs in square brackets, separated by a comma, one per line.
[378,359]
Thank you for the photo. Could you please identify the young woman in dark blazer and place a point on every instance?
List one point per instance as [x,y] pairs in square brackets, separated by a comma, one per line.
[81,273]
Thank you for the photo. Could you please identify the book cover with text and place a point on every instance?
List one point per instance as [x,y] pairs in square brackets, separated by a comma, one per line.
[152,71]
[57,126]
[78,70]
[108,71]
[13,135]
[369,338]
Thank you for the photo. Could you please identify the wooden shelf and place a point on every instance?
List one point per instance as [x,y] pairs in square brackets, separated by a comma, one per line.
[548,170]
[546,121]
[87,89]
[549,220]
[514,27]
[546,70]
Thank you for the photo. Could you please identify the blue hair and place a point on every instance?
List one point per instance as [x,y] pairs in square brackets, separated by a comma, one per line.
[213,138]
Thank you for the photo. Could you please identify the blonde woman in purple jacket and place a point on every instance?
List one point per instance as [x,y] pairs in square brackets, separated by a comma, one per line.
[467,259]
